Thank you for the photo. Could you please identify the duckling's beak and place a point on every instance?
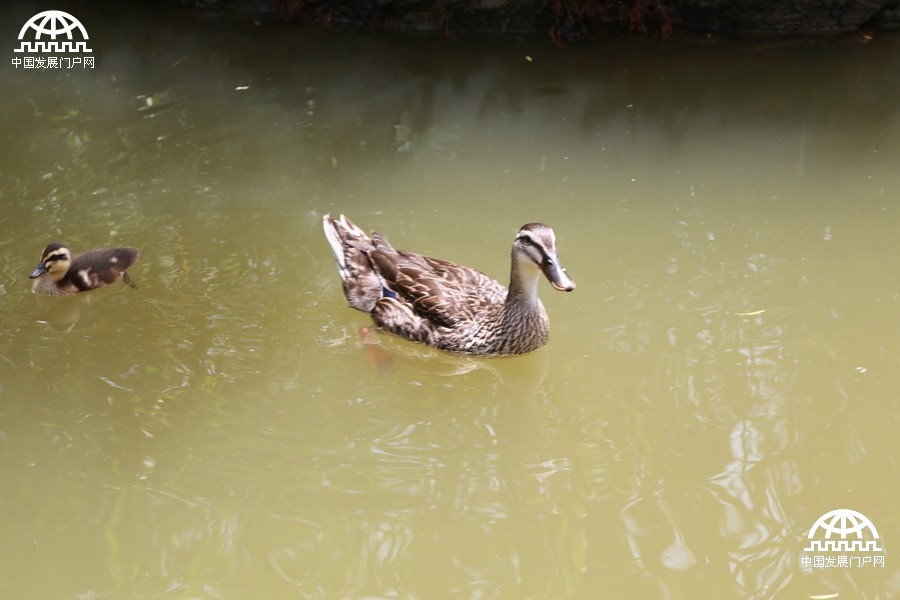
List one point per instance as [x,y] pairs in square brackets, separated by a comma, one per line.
[38,271]
[557,276]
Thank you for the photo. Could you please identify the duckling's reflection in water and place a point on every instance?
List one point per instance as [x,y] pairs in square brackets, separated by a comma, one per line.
[61,313]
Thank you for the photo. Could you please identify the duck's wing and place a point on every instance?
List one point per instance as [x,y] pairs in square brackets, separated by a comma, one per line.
[96,268]
[444,292]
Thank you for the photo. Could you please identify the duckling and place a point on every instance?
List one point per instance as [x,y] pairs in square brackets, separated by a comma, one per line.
[61,274]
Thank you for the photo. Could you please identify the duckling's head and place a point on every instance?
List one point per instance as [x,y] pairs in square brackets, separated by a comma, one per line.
[535,250]
[55,261]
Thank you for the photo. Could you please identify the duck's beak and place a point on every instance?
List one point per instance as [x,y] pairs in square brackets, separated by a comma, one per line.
[38,271]
[557,276]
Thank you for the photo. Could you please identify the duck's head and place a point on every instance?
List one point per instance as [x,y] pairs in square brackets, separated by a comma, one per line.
[535,249]
[55,262]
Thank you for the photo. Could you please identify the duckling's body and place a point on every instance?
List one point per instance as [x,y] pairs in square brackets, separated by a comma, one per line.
[446,305]
[61,274]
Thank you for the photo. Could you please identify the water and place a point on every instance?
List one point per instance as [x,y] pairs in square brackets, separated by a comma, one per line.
[725,373]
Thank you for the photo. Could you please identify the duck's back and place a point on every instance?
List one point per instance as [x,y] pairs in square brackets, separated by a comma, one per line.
[99,267]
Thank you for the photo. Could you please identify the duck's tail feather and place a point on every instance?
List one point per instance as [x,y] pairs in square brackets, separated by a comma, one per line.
[351,246]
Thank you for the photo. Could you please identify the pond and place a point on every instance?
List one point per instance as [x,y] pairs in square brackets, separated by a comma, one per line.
[725,373]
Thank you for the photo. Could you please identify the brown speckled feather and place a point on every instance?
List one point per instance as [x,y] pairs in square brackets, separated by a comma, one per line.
[443,292]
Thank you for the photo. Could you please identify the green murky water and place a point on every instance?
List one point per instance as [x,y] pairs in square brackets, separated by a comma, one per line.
[725,373]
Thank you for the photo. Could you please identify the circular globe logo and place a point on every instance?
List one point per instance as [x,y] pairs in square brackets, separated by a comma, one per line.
[52,31]
[53,23]
[843,530]
[843,522]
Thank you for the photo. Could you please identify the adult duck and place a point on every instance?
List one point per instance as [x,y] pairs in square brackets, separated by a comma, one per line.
[446,305]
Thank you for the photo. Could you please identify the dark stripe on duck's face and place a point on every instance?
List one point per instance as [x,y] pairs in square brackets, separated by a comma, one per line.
[55,257]
[537,253]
